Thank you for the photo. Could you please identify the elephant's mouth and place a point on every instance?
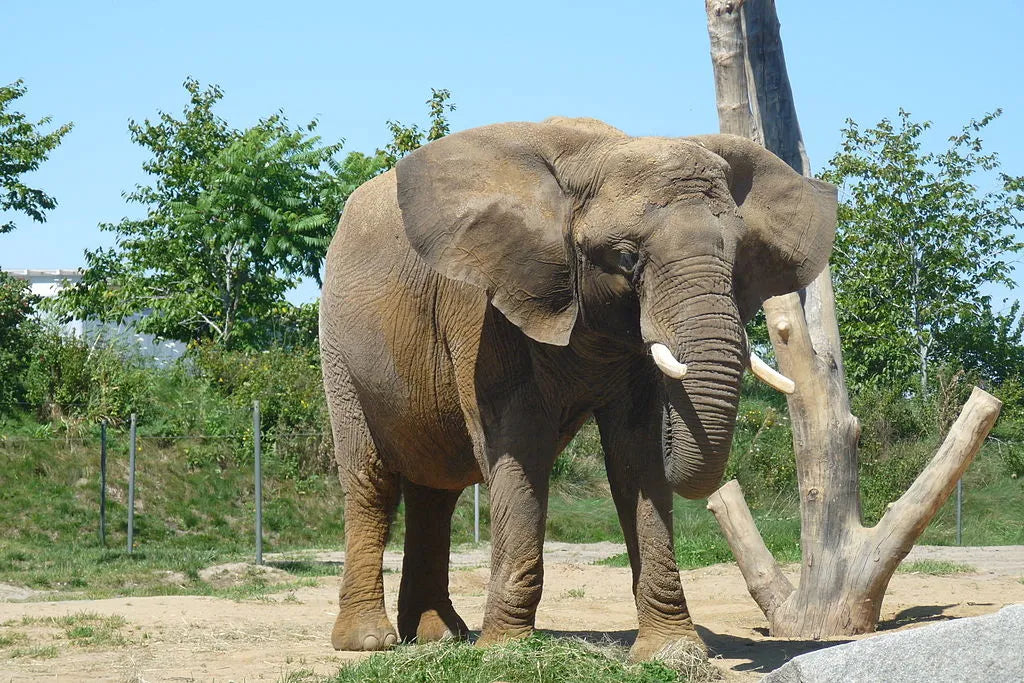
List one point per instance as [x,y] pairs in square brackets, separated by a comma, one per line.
[667,434]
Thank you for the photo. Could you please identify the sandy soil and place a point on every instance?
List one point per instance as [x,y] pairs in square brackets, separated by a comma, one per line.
[201,638]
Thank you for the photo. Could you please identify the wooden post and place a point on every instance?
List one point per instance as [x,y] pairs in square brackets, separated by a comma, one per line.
[845,567]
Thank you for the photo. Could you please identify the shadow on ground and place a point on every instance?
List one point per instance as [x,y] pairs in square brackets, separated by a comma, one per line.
[761,655]
[920,614]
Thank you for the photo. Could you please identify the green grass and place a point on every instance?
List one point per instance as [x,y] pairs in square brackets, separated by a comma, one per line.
[191,515]
[699,541]
[934,567]
[993,506]
[186,519]
[537,658]
[94,573]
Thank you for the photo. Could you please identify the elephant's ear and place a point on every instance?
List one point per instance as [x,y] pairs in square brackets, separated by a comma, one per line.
[483,206]
[790,220]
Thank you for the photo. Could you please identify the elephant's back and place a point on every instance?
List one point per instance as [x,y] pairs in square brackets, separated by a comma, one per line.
[390,320]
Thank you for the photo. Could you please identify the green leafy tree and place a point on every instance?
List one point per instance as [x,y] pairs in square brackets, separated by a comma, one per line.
[405,139]
[357,167]
[917,239]
[18,332]
[233,219]
[991,343]
[23,148]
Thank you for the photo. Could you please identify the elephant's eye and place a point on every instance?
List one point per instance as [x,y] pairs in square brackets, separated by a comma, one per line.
[627,261]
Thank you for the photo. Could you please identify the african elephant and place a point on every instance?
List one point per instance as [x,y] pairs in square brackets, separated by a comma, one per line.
[505,283]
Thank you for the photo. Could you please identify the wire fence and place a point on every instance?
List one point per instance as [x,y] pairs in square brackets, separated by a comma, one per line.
[125,446]
[125,452]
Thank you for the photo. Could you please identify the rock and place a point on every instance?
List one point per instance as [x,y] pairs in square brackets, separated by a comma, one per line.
[988,648]
[237,573]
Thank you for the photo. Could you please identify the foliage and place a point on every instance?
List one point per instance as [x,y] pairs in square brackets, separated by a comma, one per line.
[405,139]
[1008,433]
[288,385]
[233,218]
[18,331]
[762,447]
[990,343]
[357,168]
[78,383]
[23,148]
[916,241]
[535,658]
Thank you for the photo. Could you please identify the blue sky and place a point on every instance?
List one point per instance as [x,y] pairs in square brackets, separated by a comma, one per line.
[641,66]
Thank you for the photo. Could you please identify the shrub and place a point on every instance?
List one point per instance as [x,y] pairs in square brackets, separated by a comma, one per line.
[293,408]
[17,335]
[762,449]
[70,380]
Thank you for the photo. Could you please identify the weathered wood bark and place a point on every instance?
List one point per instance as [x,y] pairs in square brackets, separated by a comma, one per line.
[845,567]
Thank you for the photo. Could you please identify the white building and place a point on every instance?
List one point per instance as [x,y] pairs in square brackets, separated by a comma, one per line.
[46,283]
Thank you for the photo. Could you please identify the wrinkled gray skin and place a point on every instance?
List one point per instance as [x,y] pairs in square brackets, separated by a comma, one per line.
[505,283]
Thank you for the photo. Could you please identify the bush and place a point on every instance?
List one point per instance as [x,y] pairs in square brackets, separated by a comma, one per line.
[293,408]
[17,335]
[75,382]
[762,447]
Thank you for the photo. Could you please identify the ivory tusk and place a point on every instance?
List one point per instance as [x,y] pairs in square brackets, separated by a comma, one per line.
[770,375]
[666,362]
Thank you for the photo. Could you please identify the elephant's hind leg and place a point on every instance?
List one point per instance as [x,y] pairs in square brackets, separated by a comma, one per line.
[425,611]
[371,496]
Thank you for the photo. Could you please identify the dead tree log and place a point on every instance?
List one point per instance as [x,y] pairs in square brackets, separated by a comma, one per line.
[845,566]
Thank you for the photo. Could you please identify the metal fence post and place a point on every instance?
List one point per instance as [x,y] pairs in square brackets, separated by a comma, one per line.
[131,483]
[476,513]
[258,473]
[959,511]
[103,483]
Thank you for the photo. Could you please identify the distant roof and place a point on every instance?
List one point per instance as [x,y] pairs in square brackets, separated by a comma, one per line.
[41,272]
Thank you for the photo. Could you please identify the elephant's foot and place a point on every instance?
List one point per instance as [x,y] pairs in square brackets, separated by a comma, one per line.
[363,632]
[651,644]
[494,636]
[431,625]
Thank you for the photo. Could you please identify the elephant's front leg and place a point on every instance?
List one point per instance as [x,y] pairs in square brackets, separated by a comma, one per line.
[643,499]
[518,483]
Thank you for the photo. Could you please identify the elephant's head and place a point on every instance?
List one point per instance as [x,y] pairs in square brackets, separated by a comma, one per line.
[571,225]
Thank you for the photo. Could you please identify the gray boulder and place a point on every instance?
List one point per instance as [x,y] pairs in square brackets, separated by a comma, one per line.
[989,648]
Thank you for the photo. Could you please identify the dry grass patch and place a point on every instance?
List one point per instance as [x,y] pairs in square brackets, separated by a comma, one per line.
[39,637]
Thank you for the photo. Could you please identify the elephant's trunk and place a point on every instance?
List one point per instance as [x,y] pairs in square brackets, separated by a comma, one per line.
[703,331]
[698,418]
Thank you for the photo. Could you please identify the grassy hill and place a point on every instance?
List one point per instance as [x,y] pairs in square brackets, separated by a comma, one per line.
[194,504]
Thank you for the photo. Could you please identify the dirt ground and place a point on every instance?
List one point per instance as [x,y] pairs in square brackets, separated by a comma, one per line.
[202,638]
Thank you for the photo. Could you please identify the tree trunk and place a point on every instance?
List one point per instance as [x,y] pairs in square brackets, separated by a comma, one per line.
[845,567]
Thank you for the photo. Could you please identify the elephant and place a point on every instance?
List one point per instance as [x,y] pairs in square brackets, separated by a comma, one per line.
[504,284]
